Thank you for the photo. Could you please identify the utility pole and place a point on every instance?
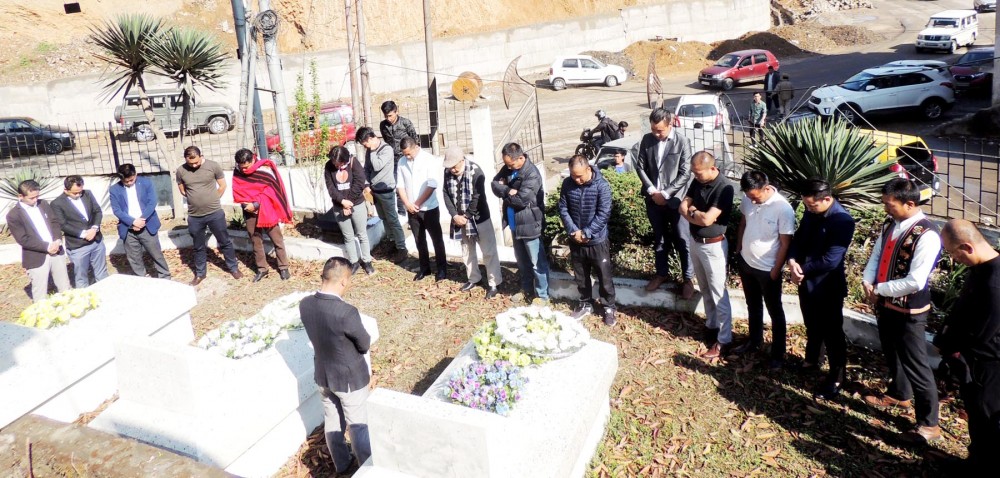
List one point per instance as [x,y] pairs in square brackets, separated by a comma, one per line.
[432,99]
[352,51]
[366,92]
[996,63]
[248,83]
[268,25]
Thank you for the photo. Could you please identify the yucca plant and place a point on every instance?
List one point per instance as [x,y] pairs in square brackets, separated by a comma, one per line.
[8,185]
[190,58]
[834,151]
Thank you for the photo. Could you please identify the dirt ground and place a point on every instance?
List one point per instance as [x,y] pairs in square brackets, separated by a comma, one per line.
[45,44]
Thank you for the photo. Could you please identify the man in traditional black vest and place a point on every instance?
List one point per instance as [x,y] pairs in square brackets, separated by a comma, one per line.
[340,343]
[897,283]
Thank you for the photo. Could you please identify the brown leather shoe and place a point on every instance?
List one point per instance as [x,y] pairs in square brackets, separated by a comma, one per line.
[197,280]
[687,290]
[885,401]
[655,283]
[237,274]
[713,352]
[922,435]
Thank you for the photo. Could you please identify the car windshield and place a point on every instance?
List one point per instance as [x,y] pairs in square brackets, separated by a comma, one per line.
[33,122]
[728,60]
[975,57]
[857,82]
[699,111]
[943,23]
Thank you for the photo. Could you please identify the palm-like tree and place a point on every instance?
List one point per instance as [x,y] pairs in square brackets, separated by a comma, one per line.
[836,152]
[135,44]
[190,58]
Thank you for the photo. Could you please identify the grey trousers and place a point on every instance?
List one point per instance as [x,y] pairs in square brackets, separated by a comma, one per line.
[355,226]
[39,276]
[487,240]
[345,411]
[709,261]
[138,241]
[385,206]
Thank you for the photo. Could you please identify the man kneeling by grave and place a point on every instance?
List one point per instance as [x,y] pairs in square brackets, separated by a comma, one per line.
[340,342]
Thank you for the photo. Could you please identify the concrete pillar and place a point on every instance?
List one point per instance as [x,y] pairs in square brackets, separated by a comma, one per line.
[481,122]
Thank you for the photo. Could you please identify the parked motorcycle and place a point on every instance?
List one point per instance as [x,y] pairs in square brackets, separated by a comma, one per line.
[587,147]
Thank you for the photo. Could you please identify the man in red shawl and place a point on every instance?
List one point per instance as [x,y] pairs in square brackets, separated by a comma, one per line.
[258,188]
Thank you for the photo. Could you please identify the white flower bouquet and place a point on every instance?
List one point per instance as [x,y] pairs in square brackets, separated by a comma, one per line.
[539,332]
[247,337]
[59,308]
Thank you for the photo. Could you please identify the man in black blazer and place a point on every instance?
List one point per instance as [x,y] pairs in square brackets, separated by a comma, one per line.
[663,163]
[33,225]
[80,217]
[340,343]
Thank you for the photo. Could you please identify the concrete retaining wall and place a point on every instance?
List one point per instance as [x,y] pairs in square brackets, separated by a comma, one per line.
[400,67]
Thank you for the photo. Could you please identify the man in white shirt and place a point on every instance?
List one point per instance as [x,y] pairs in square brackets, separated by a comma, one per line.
[80,216]
[34,226]
[417,179]
[897,283]
[764,236]
[133,201]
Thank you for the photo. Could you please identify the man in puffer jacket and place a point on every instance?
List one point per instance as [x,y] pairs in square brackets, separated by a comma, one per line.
[519,186]
[585,207]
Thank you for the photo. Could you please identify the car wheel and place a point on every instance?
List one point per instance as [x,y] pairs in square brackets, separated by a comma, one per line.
[558,84]
[144,133]
[611,81]
[728,84]
[932,109]
[953,47]
[847,113]
[218,125]
[53,146]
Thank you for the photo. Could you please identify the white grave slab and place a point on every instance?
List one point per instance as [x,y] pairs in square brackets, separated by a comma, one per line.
[552,432]
[68,370]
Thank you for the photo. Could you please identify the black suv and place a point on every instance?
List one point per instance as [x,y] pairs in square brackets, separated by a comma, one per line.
[24,136]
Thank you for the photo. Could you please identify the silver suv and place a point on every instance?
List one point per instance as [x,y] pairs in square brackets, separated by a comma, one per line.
[217,118]
[929,91]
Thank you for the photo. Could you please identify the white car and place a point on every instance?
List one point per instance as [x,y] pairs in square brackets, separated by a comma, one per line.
[702,111]
[884,90]
[583,69]
[949,30]
[984,5]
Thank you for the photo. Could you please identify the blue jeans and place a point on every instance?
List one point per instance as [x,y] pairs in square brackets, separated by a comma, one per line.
[531,256]
[215,222]
[91,256]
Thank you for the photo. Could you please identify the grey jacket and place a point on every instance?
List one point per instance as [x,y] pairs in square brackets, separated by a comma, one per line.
[674,172]
[380,168]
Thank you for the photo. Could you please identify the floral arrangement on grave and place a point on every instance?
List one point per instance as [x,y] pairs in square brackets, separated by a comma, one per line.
[491,386]
[59,309]
[530,335]
[250,336]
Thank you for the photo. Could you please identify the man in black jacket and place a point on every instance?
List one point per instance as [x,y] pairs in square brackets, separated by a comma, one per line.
[971,334]
[519,185]
[585,208]
[79,216]
[394,128]
[816,259]
[663,164]
[465,199]
[340,342]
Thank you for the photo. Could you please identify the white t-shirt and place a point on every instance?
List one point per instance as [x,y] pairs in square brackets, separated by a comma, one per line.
[426,170]
[765,222]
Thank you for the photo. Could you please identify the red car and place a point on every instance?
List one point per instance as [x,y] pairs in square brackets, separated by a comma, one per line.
[974,70]
[738,67]
[338,118]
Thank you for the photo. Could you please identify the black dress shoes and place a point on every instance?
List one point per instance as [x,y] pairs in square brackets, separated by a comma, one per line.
[491,292]
[283,274]
[355,267]
[420,275]
[260,275]
[468,286]
[441,275]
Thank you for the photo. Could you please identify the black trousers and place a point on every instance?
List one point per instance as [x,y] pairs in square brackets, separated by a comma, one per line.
[982,403]
[593,259]
[904,346]
[429,221]
[760,289]
[823,315]
[666,223]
